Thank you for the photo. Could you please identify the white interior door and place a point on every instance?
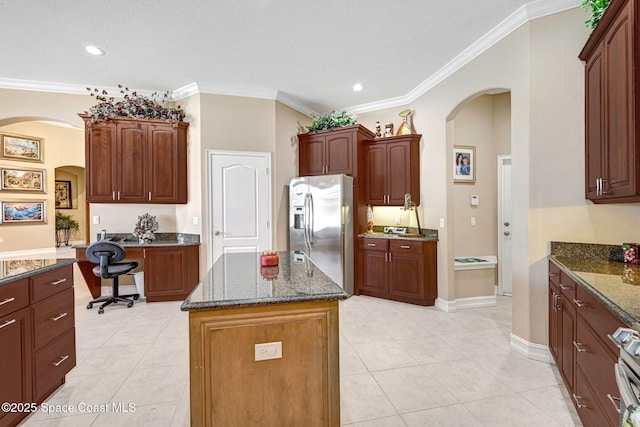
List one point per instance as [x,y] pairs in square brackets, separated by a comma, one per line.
[504,226]
[239,202]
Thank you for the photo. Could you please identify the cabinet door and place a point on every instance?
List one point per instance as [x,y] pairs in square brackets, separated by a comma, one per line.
[171,273]
[399,173]
[376,174]
[620,155]
[15,362]
[373,267]
[555,318]
[594,150]
[131,165]
[339,153]
[407,278]
[166,176]
[101,163]
[311,152]
[567,349]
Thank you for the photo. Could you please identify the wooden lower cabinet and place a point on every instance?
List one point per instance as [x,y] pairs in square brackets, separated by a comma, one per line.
[398,269]
[170,273]
[230,388]
[578,329]
[37,339]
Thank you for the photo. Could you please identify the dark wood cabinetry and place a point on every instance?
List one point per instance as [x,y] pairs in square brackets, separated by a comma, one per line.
[612,91]
[170,273]
[392,169]
[37,338]
[398,269]
[136,161]
[331,152]
[578,329]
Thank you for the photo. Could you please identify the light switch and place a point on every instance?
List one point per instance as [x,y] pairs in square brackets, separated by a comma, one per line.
[473,221]
[475,200]
[196,221]
[441,222]
[96,219]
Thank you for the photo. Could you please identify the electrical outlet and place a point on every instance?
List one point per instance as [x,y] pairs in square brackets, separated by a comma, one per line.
[96,219]
[196,220]
[441,222]
[397,219]
[268,351]
[473,221]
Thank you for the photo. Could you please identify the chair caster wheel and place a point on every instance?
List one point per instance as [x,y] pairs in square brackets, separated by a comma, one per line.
[130,304]
[89,306]
[136,297]
[101,311]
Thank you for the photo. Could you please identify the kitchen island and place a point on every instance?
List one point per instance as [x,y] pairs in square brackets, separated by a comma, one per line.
[171,264]
[264,344]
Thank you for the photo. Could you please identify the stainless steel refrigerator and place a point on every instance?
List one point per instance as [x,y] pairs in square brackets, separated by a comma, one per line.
[321,225]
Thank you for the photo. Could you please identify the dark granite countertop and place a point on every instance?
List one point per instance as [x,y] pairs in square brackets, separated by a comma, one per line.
[236,280]
[128,240]
[16,269]
[615,284]
[427,235]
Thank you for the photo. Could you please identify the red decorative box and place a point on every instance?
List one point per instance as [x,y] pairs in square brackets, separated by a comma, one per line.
[269,259]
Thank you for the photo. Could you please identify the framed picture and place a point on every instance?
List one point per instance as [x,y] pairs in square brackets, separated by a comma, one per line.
[464,163]
[28,180]
[18,147]
[63,195]
[23,212]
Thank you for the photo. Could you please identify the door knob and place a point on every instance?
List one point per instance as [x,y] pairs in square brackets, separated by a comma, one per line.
[506,233]
[506,224]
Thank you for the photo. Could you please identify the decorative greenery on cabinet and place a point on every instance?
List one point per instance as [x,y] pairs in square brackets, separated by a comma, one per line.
[332,120]
[597,10]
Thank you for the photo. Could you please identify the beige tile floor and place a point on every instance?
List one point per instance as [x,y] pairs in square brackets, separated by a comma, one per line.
[401,365]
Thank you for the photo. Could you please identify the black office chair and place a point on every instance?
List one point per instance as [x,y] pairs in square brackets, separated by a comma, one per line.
[107,254]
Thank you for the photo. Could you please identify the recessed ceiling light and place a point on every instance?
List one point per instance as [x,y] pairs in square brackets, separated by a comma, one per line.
[358,87]
[94,50]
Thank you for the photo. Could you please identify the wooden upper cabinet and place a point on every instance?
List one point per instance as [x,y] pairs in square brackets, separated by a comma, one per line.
[392,169]
[611,92]
[331,152]
[136,161]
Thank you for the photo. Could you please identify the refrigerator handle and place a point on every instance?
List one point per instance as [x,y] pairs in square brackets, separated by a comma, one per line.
[312,218]
[306,220]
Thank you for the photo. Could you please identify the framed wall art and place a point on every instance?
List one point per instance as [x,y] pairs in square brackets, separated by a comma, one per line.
[18,147]
[23,212]
[464,163]
[28,180]
[63,195]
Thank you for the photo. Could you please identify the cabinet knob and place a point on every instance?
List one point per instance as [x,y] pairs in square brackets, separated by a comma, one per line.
[506,224]
[506,233]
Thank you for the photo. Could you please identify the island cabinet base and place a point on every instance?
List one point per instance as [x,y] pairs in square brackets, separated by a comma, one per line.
[230,388]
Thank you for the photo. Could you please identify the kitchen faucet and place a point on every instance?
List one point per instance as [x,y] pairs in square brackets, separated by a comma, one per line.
[103,235]
[408,205]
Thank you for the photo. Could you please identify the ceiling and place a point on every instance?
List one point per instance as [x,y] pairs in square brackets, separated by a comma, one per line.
[308,53]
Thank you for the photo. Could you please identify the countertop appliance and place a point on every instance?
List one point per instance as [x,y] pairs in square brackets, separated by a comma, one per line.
[627,372]
[321,225]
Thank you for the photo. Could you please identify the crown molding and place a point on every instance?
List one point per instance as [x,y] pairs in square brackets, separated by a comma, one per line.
[524,14]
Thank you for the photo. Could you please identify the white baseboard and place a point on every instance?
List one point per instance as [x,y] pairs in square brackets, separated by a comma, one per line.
[531,350]
[446,306]
[465,303]
[476,302]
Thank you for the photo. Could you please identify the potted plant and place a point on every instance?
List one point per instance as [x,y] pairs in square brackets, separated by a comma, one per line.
[332,120]
[64,224]
[134,105]
[597,10]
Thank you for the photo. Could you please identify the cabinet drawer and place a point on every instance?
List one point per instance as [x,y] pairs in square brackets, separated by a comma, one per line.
[599,318]
[14,296]
[598,365]
[567,286]
[51,282]
[554,274]
[52,317]
[381,245]
[406,246]
[590,413]
[52,363]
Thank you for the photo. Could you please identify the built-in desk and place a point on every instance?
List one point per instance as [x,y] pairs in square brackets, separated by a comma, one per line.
[171,265]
